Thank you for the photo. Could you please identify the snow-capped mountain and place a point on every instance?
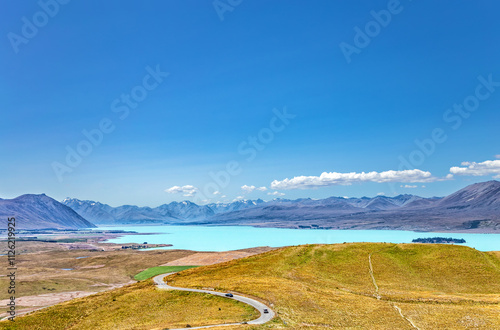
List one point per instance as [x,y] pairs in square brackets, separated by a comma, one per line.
[234,206]
[475,206]
[175,212]
[186,211]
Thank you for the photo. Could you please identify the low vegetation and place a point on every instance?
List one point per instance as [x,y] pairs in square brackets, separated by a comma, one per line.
[137,306]
[357,285]
[433,285]
[153,271]
[439,240]
[43,272]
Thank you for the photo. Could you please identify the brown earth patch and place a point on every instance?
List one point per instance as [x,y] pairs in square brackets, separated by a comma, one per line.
[48,298]
[211,258]
[93,266]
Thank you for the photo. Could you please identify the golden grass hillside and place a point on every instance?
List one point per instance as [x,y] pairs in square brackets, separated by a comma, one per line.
[137,306]
[426,286]
[408,286]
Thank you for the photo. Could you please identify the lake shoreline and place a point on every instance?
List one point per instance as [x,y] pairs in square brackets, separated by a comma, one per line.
[451,231]
[227,238]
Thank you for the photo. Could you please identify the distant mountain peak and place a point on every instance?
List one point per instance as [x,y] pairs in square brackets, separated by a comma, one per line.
[480,200]
[36,211]
[477,195]
[491,183]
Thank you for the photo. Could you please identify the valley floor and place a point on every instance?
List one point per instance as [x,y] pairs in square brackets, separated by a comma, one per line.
[51,273]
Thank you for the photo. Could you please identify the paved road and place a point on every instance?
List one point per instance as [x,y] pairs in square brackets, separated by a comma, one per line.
[264,317]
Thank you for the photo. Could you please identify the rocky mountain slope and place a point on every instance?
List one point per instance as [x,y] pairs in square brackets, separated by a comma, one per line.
[473,208]
[173,213]
[41,211]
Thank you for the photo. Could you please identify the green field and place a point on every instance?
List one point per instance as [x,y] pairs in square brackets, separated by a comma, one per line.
[153,271]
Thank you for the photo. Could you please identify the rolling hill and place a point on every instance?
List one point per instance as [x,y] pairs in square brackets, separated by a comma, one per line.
[358,285]
[430,285]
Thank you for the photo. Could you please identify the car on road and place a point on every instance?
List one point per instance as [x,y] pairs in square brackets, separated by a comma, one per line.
[229,294]
[266,311]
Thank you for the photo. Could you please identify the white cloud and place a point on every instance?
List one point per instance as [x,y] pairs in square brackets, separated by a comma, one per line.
[187,190]
[239,198]
[217,193]
[497,156]
[249,189]
[276,193]
[381,194]
[423,186]
[408,186]
[335,178]
[489,167]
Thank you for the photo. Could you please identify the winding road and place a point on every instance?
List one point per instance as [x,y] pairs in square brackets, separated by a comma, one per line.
[264,317]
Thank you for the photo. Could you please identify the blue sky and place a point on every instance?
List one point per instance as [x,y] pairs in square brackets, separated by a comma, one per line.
[177,93]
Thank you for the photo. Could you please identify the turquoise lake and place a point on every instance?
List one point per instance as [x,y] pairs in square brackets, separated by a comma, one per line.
[224,238]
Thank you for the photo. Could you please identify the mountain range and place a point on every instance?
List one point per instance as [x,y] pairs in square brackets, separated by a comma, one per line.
[475,208]
[172,213]
[40,212]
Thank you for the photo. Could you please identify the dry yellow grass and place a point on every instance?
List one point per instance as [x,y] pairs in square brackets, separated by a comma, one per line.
[330,285]
[452,316]
[437,269]
[428,286]
[137,306]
